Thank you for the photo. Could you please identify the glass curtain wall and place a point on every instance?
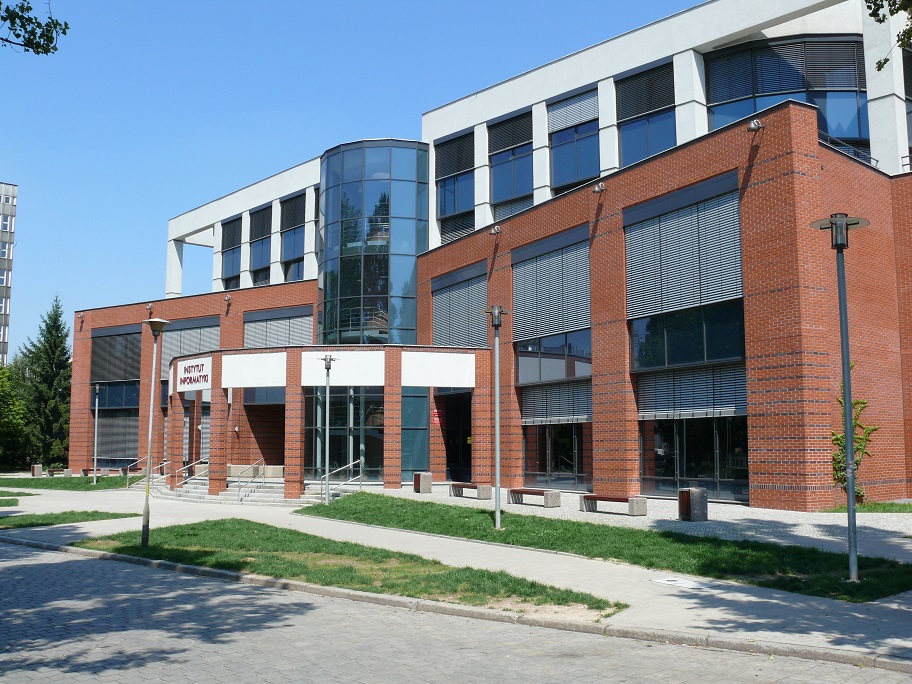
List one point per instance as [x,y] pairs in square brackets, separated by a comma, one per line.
[695,452]
[355,430]
[373,224]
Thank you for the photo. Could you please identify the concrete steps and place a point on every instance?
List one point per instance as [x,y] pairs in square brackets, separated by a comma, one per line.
[260,493]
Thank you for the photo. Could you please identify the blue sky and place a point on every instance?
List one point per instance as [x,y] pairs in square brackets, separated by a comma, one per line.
[151,109]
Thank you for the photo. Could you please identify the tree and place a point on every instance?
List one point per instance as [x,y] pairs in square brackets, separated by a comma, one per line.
[12,424]
[44,373]
[26,31]
[862,435]
[882,10]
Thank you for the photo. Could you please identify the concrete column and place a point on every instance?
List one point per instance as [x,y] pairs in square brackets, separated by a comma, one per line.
[484,215]
[433,222]
[609,152]
[541,154]
[275,245]
[217,285]
[886,94]
[174,268]
[246,279]
[312,213]
[690,96]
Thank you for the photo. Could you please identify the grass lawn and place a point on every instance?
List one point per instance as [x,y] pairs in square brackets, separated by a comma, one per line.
[790,568]
[68,483]
[6,493]
[245,546]
[876,507]
[9,522]
[6,503]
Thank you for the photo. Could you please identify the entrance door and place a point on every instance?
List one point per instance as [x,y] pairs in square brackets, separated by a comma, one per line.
[459,437]
[554,456]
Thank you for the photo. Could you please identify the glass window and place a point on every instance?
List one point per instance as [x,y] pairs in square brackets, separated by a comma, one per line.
[353,165]
[333,170]
[404,199]
[403,313]
[511,173]
[456,194]
[352,237]
[403,276]
[662,135]
[563,163]
[294,271]
[259,254]
[684,333]
[376,163]
[648,342]
[574,154]
[527,364]
[331,279]
[231,262]
[402,236]
[350,277]
[376,274]
[376,236]
[293,244]
[579,354]
[376,198]
[352,200]
[404,163]
[553,357]
[724,330]
[838,113]
[634,141]
[724,114]
[415,412]
[332,207]
[331,240]
[422,191]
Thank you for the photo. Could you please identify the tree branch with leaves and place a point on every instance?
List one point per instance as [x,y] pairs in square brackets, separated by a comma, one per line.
[26,31]
[882,10]
[862,434]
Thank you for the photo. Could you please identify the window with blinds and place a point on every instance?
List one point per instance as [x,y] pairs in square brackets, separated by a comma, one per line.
[231,234]
[551,292]
[567,402]
[260,223]
[116,357]
[686,258]
[455,156]
[291,331]
[183,342]
[573,111]
[458,314]
[645,92]
[510,133]
[293,212]
[118,437]
[693,392]
[456,227]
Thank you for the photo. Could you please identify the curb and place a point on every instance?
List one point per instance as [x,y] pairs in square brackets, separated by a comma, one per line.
[858,658]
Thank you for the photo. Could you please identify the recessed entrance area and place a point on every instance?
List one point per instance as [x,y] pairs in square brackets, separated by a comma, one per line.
[458,436]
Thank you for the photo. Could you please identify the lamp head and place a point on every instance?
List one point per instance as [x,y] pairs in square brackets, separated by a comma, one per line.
[156,325]
[839,226]
[755,125]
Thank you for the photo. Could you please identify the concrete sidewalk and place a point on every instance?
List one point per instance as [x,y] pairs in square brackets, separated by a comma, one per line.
[663,606]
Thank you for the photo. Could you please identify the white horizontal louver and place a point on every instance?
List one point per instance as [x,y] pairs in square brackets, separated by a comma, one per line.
[458,317]
[566,402]
[643,247]
[720,249]
[680,262]
[300,331]
[551,293]
[706,391]
[573,111]
[254,334]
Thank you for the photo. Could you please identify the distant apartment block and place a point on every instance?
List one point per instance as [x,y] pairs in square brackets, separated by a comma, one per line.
[8,193]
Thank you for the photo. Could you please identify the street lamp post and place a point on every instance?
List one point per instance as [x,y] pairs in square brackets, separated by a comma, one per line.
[95,442]
[327,360]
[156,325]
[496,320]
[839,225]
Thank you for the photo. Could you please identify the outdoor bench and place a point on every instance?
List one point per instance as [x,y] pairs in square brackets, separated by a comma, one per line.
[551,497]
[102,471]
[59,471]
[482,491]
[636,505]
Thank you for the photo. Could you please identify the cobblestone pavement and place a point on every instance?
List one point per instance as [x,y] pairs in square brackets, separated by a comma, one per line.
[71,619]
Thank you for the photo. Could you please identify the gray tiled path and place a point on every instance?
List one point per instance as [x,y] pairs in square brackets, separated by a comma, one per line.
[72,619]
[746,614]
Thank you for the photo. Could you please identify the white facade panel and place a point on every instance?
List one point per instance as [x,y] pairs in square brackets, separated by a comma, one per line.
[254,370]
[438,369]
[349,369]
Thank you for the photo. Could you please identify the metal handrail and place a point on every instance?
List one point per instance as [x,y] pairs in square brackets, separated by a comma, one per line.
[360,476]
[241,484]
[847,148]
[187,468]
[154,467]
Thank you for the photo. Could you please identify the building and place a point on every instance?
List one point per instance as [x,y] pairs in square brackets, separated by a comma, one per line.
[642,208]
[8,194]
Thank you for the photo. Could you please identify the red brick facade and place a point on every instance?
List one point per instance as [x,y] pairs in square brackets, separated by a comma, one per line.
[786,180]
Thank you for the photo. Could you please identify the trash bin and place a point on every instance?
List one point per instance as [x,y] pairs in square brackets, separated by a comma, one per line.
[422,483]
[692,504]
[36,470]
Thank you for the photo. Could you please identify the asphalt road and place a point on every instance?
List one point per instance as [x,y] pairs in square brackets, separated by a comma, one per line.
[66,618]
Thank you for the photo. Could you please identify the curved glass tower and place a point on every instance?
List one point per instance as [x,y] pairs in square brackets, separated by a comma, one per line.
[373,224]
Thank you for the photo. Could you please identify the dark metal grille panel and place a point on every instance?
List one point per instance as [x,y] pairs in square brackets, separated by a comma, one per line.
[686,258]
[645,92]
[456,227]
[293,212]
[118,434]
[231,234]
[730,77]
[779,68]
[551,293]
[833,65]
[260,223]
[116,357]
[692,392]
[510,133]
[455,156]
[567,402]
[458,317]
[573,111]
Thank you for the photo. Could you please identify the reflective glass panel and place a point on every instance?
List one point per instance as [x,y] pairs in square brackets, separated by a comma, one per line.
[352,200]
[415,412]
[838,113]
[402,336]
[350,276]
[333,203]
[333,170]
[352,165]
[376,274]
[579,353]
[376,198]
[352,236]
[423,166]
[403,312]
[402,236]
[724,114]
[331,279]
[350,315]
[403,276]
[446,197]
[587,158]
[553,357]
[662,134]
[465,192]
[634,141]
[376,163]
[563,164]
[376,238]
[331,240]
[527,362]
[404,163]
[522,176]
[422,192]
[684,333]
[724,330]
[404,199]
[648,342]
[501,181]
[421,240]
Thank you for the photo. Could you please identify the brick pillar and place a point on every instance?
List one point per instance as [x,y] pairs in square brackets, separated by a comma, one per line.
[175,439]
[294,426]
[218,430]
[438,437]
[82,399]
[392,419]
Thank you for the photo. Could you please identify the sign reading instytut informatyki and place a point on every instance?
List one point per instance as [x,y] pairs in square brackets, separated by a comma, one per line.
[192,375]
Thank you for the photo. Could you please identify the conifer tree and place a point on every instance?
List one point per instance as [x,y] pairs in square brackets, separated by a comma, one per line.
[12,424]
[44,370]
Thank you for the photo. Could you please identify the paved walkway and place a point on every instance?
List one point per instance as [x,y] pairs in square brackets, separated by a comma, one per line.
[71,619]
[661,603]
